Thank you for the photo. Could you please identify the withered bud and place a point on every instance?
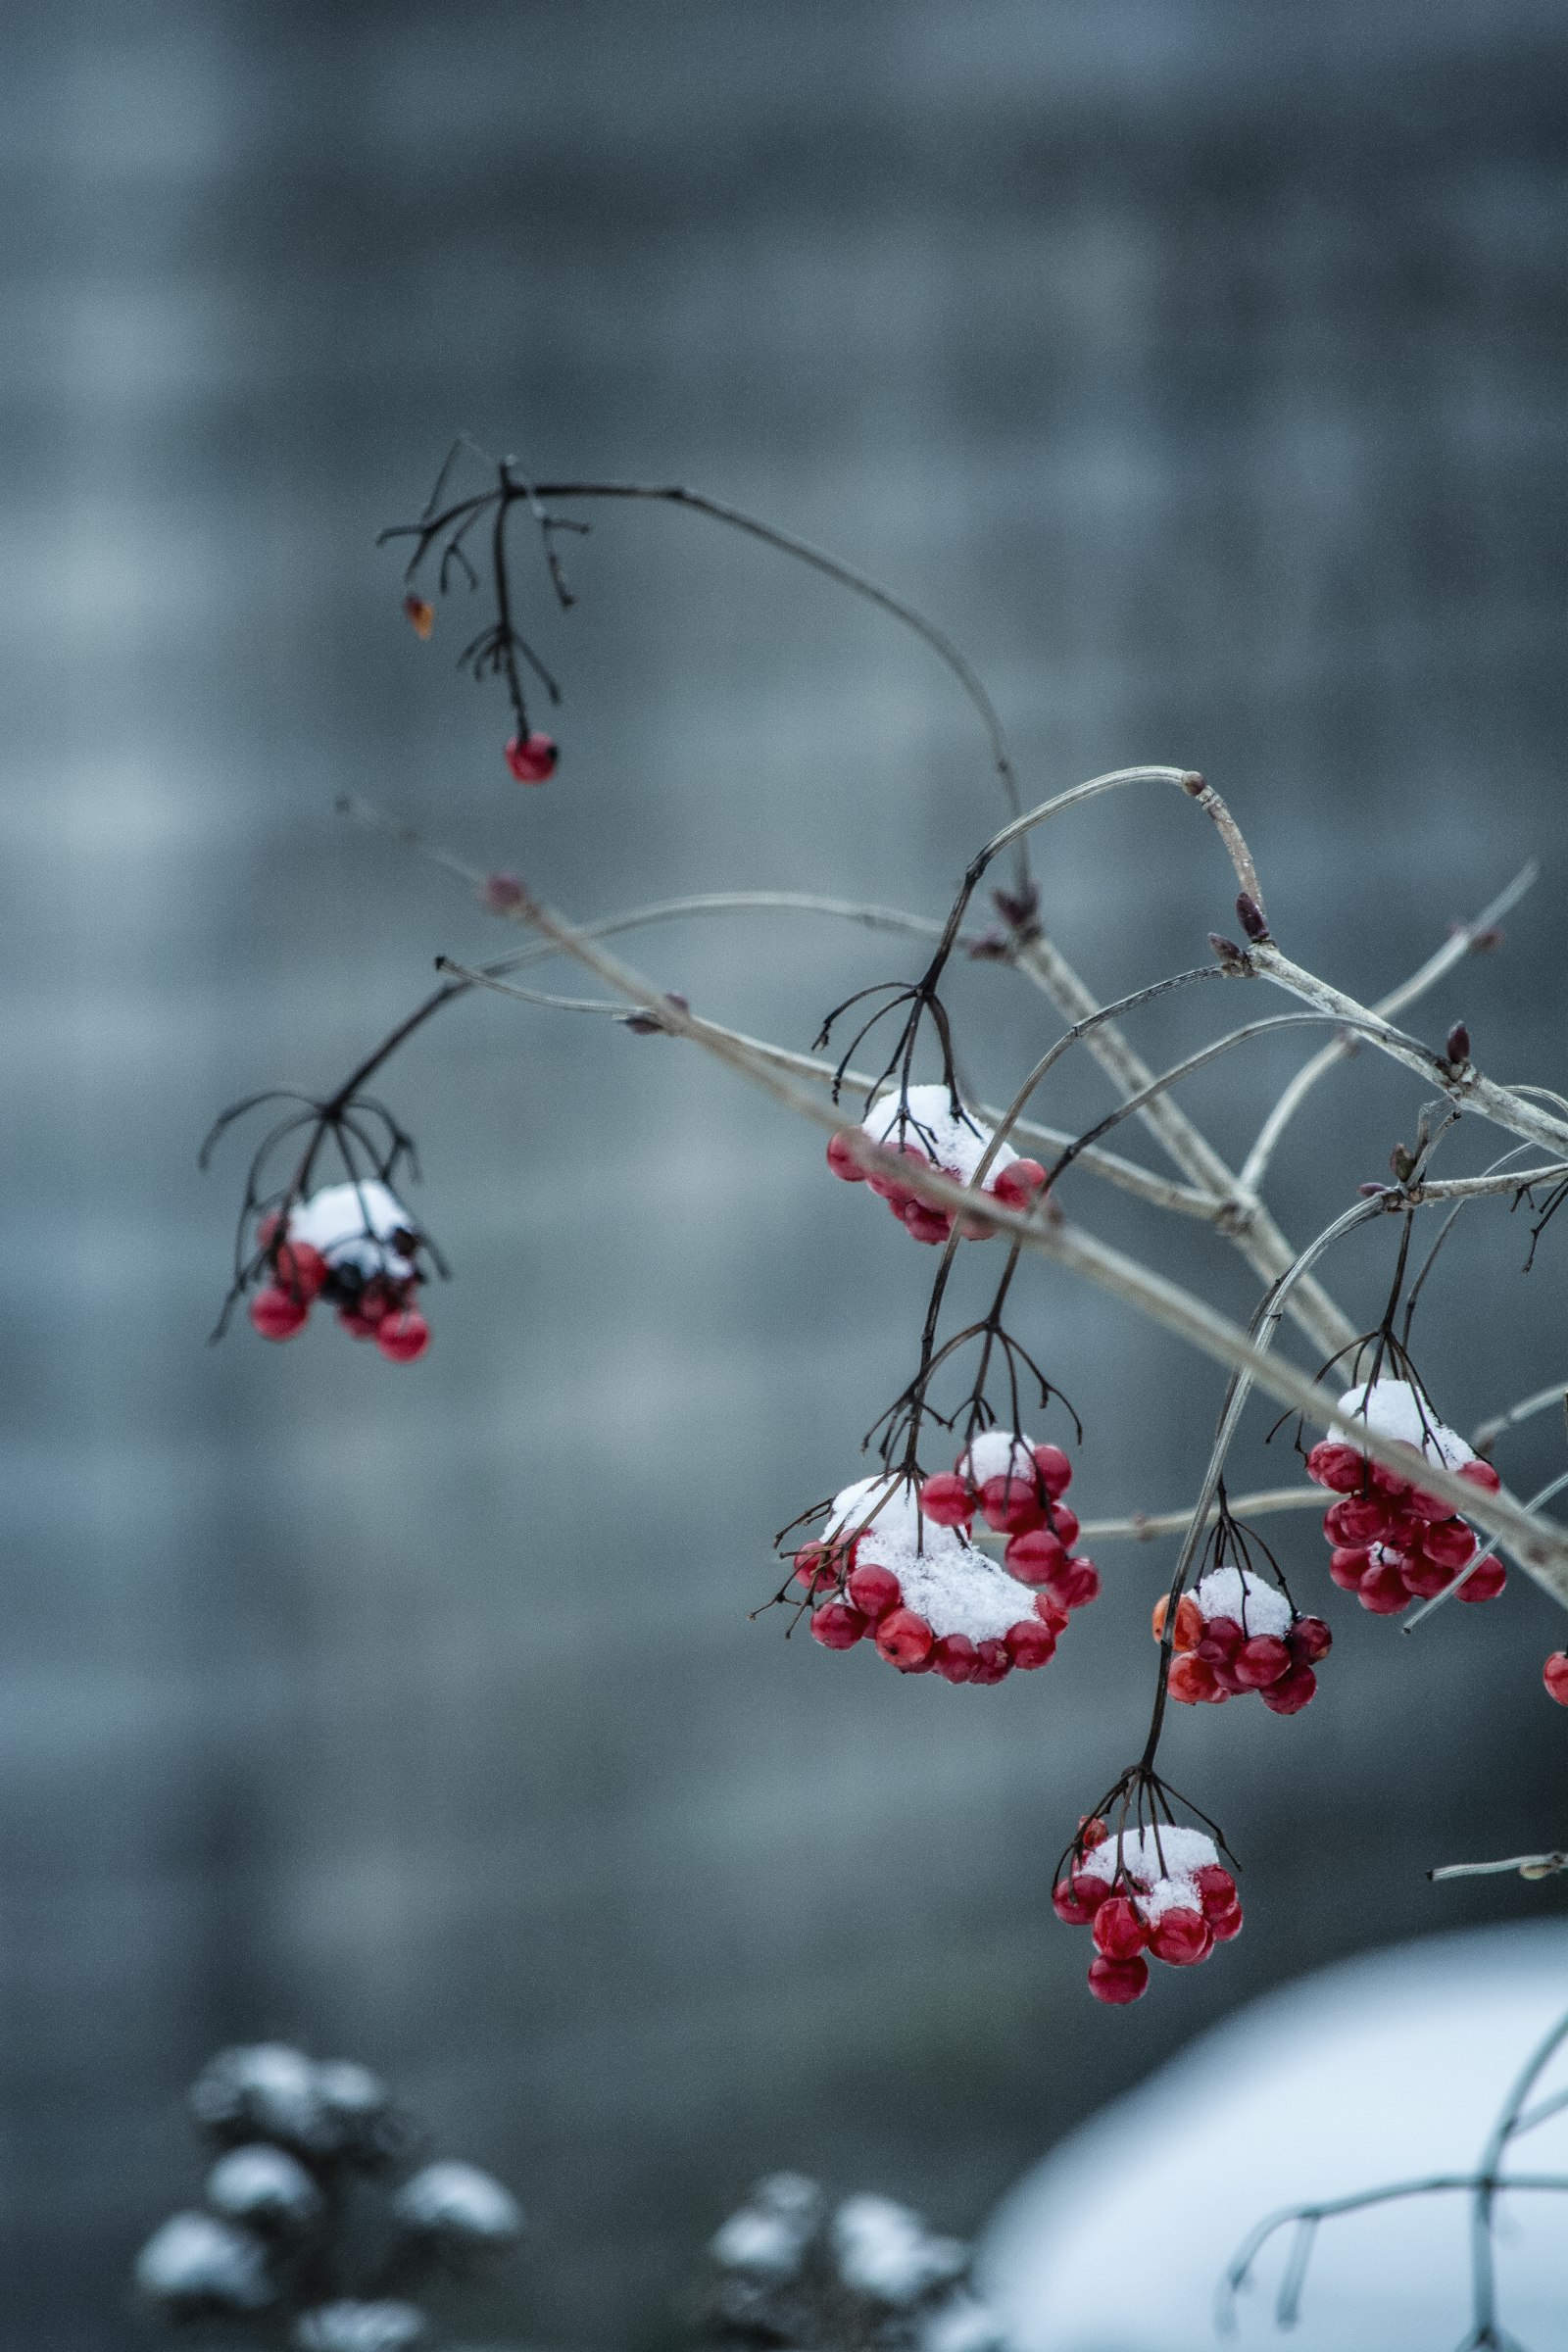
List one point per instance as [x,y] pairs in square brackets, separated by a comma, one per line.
[1019,909]
[499,893]
[989,948]
[1459,1045]
[421,615]
[648,1024]
[1251,915]
[1488,941]
[1401,1160]
[1228,952]
[1193,783]
[1370,1191]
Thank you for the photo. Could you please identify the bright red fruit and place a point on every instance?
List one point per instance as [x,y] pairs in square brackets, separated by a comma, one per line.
[1029,1642]
[837,1626]
[1036,1557]
[817,1568]
[1119,1933]
[1181,1938]
[300,1270]
[1225,1923]
[1480,1473]
[1336,1466]
[1191,1681]
[532,757]
[1012,1505]
[1077,1898]
[1018,1182]
[925,1224]
[1450,1543]
[955,1658]
[1220,1642]
[1260,1661]
[1118,1981]
[992,1662]
[1347,1567]
[904,1641]
[1310,1640]
[1216,1888]
[1076,1585]
[1055,1470]
[276,1315]
[1382,1590]
[1486,1580]
[404,1336]
[1292,1693]
[1355,1519]
[874,1590]
[946,1500]
[1555,1674]
[841,1160]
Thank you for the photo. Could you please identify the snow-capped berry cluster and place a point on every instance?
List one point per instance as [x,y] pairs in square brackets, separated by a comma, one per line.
[931,1600]
[1392,1543]
[1235,1631]
[939,1136]
[355,1245]
[1162,1889]
[1017,1489]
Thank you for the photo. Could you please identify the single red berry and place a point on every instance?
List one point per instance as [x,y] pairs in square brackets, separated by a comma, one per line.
[946,1500]
[841,1160]
[1118,1981]
[1480,1473]
[1051,1613]
[1422,1505]
[1226,1924]
[1076,1585]
[1292,1693]
[1424,1582]
[1012,1505]
[923,1224]
[403,1336]
[817,1568]
[1190,1626]
[1216,1888]
[1055,1470]
[1337,1466]
[1030,1644]
[1357,1519]
[954,1657]
[1486,1578]
[1382,1590]
[1310,1640]
[1260,1661]
[1450,1543]
[532,757]
[874,1590]
[1555,1674]
[904,1641]
[837,1626]
[1192,1681]
[1347,1567]
[1181,1938]
[300,1270]
[1017,1183]
[992,1662]
[1078,1896]
[1091,1830]
[278,1316]
[1219,1641]
[1119,1933]
[1035,1558]
[1394,1484]
[1062,1521]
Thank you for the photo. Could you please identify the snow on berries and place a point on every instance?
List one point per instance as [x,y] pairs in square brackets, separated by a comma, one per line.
[1233,1632]
[356,1247]
[931,1600]
[1160,1891]
[928,1124]
[1392,1543]
[1017,1487]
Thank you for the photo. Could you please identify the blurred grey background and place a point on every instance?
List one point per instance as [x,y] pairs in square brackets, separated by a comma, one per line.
[1202,368]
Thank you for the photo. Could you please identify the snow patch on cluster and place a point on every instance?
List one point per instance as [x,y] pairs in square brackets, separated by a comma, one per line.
[1256,1605]
[944,1578]
[1161,1864]
[1393,1409]
[956,1143]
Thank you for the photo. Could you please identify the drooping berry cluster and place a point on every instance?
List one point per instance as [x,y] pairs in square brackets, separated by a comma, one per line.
[1017,1489]
[1235,1631]
[355,1245]
[1161,1890]
[928,1124]
[1392,1543]
[931,1600]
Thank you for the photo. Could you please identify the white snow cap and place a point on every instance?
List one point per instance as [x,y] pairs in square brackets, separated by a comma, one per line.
[264,2085]
[1393,1409]
[263,2183]
[997,1453]
[944,1577]
[885,2250]
[957,1146]
[352,1224]
[194,2260]
[1256,1605]
[769,2238]
[1163,1874]
[359,2328]
[459,2201]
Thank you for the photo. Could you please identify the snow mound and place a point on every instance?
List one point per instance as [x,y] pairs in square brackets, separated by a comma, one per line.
[460,2202]
[1256,1606]
[195,2263]
[944,1578]
[885,2250]
[1393,1409]
[954,1144]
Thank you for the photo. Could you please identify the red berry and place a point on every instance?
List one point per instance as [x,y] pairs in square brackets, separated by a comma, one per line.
[1349,1566]
[1076,1585]
[946,1500]
[1119,1933]
[1192,1681]
[404,1336]
[1216,1888]
[1486,1578]
[1055,1470]
[1336,1466]
[837,1626]
[1030,1644]
[1292,1693]
[1012,1505]
[1091,1830]
[1383,1591]
[1423,1582]
[1450,1543]
[1220,1640]
[532,757]
[1050,1614]
[1062,1521]
[1190,1626]
[1260,1661]
[932,1225]
[817,1568]
[1181,1938]
[992,1662]
[278,1316]
[1017,1183]
[904,1641]
[1035,1558]
[1078,1896]
[300,1270]
[874,1590]
[1555,1674]
[1118,1981]
[1480,1473]
[1357,1519]
[1225,1923]
[841,1160]
[1310,1640]
[955,1658]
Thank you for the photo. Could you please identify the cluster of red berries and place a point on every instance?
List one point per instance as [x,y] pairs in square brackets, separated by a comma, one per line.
[1161,1890]
[532,757]
[938,1135]
[1392,1543]
[1236,1633]
[1017,1489]
[931,1601]
[353,1244]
